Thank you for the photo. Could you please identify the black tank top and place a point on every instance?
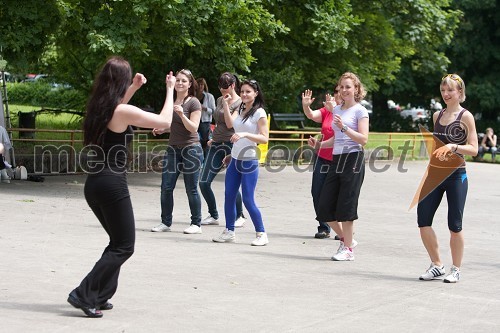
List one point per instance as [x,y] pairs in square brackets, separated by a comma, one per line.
[451,133]
[112,156]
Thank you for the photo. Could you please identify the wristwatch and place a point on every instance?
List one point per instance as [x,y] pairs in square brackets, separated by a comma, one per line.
[344,128]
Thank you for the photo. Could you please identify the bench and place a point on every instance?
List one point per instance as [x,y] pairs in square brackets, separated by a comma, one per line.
[288,117]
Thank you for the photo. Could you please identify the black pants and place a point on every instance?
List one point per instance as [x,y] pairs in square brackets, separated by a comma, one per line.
[117,219]
[204,133]
[340,192]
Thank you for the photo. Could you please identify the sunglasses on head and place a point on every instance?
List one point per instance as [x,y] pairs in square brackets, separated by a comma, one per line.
[454,77]
[224,85]
[185,72]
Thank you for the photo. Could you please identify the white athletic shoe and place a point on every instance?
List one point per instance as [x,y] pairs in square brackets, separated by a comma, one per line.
[261,239]
[353,245]
[160,228]
[227,236]
[193,229]
[454,275]
[343,255]
[240,222]
[209,220]
[432,273]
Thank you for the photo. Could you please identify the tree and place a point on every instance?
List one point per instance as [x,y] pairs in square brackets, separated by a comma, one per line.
[374,39]
[157,36]
[475,55]
[25,30]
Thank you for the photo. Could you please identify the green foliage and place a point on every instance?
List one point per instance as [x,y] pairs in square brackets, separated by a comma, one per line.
[288,45]
[42,94]
[475,55]
[25,29]
[206,36]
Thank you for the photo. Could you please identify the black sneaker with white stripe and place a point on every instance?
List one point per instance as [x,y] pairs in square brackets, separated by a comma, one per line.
[434,272]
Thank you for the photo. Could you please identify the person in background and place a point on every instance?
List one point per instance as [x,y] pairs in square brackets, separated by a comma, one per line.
[340,193]
[220,148]
[323,157]
[108,131]
[250,127]
[207,101]
[454,136]
[488,144]
[2,162]
[184,154]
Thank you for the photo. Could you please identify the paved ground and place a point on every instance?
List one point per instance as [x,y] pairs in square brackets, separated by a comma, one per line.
[49,239]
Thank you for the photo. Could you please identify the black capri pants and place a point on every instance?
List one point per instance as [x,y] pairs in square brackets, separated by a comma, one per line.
[340,193]
[455,186]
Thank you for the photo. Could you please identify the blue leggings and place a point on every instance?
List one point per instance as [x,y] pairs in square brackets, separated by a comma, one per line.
[455,186]
[244,173]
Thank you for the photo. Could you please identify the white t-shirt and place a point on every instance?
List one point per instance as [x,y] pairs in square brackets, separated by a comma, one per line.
[343,143]
[245,149]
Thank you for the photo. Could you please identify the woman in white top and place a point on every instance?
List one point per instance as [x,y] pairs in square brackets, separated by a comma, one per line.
[339,196]
[250,127]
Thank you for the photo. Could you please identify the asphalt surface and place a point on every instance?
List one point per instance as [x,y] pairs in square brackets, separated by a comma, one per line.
[50,239]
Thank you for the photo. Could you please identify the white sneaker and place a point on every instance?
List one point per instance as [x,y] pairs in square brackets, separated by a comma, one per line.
[240,222]
[160,228]
[432,273]
[209,220]
[354,243]
[454,275]
[193,229]
[343,255]
[261,239]
[227,236]
[4,176]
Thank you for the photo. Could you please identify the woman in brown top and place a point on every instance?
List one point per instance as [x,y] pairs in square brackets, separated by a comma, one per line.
[184,154]
[220,147]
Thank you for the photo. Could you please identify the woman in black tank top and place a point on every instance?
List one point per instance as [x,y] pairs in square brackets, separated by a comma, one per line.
[454,136]
[107,133]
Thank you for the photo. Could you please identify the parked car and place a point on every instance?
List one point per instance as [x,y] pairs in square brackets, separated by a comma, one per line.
[35,77]
[416,113]
[8,77]
[46,78]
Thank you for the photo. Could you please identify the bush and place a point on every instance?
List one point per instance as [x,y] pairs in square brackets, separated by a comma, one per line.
[43,94]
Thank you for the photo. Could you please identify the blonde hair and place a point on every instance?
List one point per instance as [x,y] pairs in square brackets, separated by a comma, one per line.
[360,92]
[454,80]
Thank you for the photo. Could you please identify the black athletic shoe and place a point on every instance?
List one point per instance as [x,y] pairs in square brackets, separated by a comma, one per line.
[75,301]
[105,306]
[322,235]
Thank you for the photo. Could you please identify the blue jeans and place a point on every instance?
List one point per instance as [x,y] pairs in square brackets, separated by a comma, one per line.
[212,166]
[246,174]
[187,160]
[320,170]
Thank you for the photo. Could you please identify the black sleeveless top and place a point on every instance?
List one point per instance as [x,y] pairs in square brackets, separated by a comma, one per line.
[112,156]
[451,133]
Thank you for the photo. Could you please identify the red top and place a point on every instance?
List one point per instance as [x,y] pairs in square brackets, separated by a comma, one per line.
[327,131]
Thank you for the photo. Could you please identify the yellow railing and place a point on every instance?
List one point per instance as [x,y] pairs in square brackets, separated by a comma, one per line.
[377,139]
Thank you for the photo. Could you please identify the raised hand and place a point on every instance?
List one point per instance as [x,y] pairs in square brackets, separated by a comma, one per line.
[170,80]
[307,98]
[139,80]
[329,102]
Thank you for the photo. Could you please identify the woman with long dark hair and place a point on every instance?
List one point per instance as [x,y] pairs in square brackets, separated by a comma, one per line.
[250,127]
[107,134]
[184,154]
